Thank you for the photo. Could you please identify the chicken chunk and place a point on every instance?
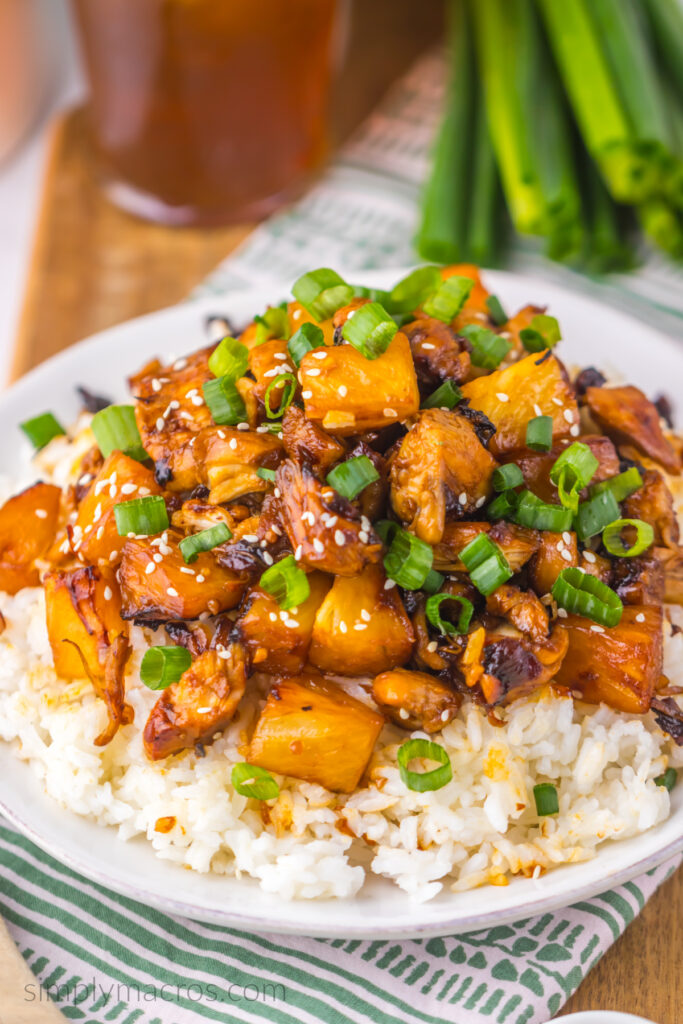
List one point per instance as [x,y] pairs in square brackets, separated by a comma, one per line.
[638,580]
[361,628]
[620,666]
[536,466]
[157,585]
[329,530]
[628,417]
[28,523]
[311,729]
[307,442]
[513,396]
[438,353]
[516,666]
[199,705]
[415,700]
[279,641]
[441,470]
[522,608]
[229,459]
[94,537]
[348,394]
[653,502]
[518,543]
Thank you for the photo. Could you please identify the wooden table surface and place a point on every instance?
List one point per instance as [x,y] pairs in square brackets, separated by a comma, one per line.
[94,266]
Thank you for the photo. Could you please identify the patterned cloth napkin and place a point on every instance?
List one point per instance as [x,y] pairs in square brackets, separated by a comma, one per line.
[104,958]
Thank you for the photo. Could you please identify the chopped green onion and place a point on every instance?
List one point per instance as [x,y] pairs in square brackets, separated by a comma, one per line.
[433,612]
[224,401]
[539,433]
[486,564]
[424,782]
[411,291]
[205,540]
[287,382]
[572,471]
[229,359]
[370,329]
[408,560]
[595,514]
[546,799]
[579,592]
[266,474]
[385,530]
[543,332]
[353,476]
[308,337]
[496,311]
[621,486]
[433,582]
[507,476]
[115,430]
[322,292]
[446,396]
[274,323]
[287,583]
[142,516]
[449,298]
[42,429]
[162,666]
[668,779]
[539,515]
[488,349]
[504,506]
[252,781]
[374,294]
[613,542]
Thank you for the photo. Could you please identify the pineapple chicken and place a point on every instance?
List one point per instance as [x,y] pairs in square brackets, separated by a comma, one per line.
[415,700]
[536,466]
[28,523]
[628,417]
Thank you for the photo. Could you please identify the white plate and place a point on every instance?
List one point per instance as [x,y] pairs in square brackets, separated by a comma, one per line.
[593,334]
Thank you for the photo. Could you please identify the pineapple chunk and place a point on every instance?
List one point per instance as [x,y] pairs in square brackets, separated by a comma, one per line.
[620,666]
[629,417]
[549,561]
[165,591]
[95,538]
[28,523]
[311,729]
[276,644]
[361,628]
[349,394]
[441,467]
[513,396]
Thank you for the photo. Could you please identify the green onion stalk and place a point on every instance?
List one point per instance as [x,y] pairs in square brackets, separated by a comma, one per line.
[606,246]
[663,226]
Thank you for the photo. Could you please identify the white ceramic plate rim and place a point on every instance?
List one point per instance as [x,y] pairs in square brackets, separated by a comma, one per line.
[379,910]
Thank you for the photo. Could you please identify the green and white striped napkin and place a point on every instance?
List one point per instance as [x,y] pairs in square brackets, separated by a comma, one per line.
[104,958]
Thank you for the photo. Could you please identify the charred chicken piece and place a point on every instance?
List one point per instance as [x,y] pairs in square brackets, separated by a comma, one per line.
[229,458]
[513,396]
[278,641]
[638,580]
[28,523]
[307,442]
[620,666]
[157,585]
[536,466]
[361,628]
[349,394]
[438,353]
[94,537]
[415,700]
[518,543]
[313,730]
[653,503]
[441,470]
[199,705]
[514,667]
[88,637]
[522,608]
[628,417]
[327,528]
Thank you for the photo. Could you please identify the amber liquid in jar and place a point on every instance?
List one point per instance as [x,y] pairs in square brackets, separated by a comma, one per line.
[207,111]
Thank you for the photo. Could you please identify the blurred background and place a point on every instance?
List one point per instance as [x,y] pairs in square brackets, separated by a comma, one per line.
[141,140]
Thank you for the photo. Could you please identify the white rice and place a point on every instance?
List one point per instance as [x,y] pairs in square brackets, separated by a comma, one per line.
[479,829]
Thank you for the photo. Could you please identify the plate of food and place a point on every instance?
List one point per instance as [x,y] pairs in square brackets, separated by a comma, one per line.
[328,614]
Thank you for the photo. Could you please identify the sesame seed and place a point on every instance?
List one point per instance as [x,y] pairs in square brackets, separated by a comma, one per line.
[568,415]
[566,555]
[171,591]
[360,625]
[365,615]
[567,537]
[112,491]
[197,400]
[144,491]
[318,546]
[180,364]
[307,394]
[273,372]
[267,558]
[575,430]
[342,627]
[365,523]
[64,546]
[428,345]
[232,443]
[432,646]
[273,617]
[445,715]
[291,624]
[156,385]
[129,488]
[263,543]
[319,355]
[149,568]
[537,410]
[502,397]
[558,401]
[201,578]
[390,412]
[313,372]
[100,532]
[88,528]
[562,613]
[339,538]
[308,517]
[589,556]
[85,479]
[243,426]
[595,628]
[263,429]
[342,391]
[480,501]
[640,617]
[284,615]
[114,555]
[279,355]
[276,490]
[560,545]
[402,713]
[221,434]
[158,558]
[363,536]
[204,711]
[108,594]
[298,553]
[188,572]
[462,498]
[296,315]
[161,423]
[389,584]
[250,538]
[41,513]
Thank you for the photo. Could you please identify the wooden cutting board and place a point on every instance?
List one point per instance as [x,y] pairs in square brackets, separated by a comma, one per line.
[94,266]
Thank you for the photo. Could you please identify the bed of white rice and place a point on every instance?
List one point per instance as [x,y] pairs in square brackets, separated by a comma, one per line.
[479,829]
